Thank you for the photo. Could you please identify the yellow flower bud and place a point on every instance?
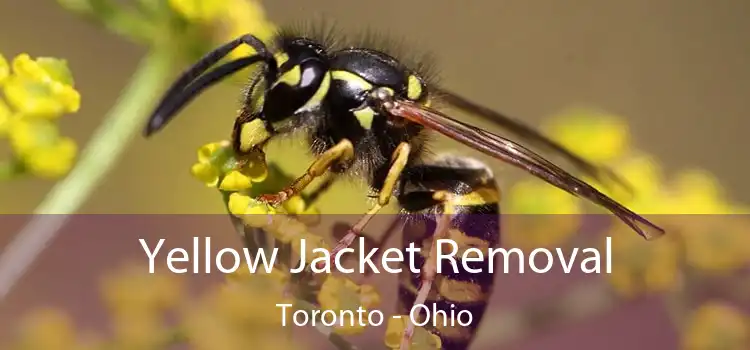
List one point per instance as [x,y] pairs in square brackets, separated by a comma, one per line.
[421,339]
[40,99]
[4,69]
[247,17]
[202,11]
[235,181]
[26,135]
[596,136]
[256,169]
[41,87]
[206,173]
[294,205]
[340,293]
[238,203]
[5,118]
[53,161]
[206,152]
[717,325]
[48,329]
[699,192]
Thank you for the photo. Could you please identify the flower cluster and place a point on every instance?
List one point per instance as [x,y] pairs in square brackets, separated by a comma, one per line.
[240,313]
[717,325]
[241,181]
[37,92]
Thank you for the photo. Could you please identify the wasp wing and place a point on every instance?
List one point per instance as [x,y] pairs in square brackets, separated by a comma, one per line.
[519,156]
[530,135]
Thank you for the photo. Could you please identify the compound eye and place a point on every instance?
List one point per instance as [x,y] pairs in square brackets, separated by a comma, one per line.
[416,89]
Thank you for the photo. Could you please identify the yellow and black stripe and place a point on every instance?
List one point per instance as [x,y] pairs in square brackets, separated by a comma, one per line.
[475,224]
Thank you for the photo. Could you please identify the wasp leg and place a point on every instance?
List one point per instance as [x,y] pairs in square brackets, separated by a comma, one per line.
[398,163]
[342,152]
[429,269]
[460,193]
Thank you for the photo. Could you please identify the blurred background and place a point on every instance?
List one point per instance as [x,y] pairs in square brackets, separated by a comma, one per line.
[675,71]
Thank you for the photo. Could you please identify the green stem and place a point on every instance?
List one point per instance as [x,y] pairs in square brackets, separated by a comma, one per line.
[96,161]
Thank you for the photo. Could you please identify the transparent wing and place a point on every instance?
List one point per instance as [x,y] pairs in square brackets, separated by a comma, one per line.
[519,156]
[532,137]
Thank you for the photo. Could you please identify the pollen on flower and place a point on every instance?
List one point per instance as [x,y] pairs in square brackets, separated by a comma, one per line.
[421,338]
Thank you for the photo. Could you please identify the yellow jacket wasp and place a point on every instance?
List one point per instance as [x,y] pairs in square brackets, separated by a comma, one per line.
[366,114]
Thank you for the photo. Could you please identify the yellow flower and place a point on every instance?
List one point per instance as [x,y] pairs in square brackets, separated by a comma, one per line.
[596,136]
[133,290]
[252,212]
[54,161]
[640,266]
[716,325]
[421,339]
[698,192]
[41,148]
[4,69]
[235,181]
[294,205]
[6,117]
[644,175]
[287,229]
[41,88]
[138,330]
[199,10]
[216,161]
[205,173]
[49,330]
[339,293]
[715,243]
[298,207]
[242,17]
[540,215]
